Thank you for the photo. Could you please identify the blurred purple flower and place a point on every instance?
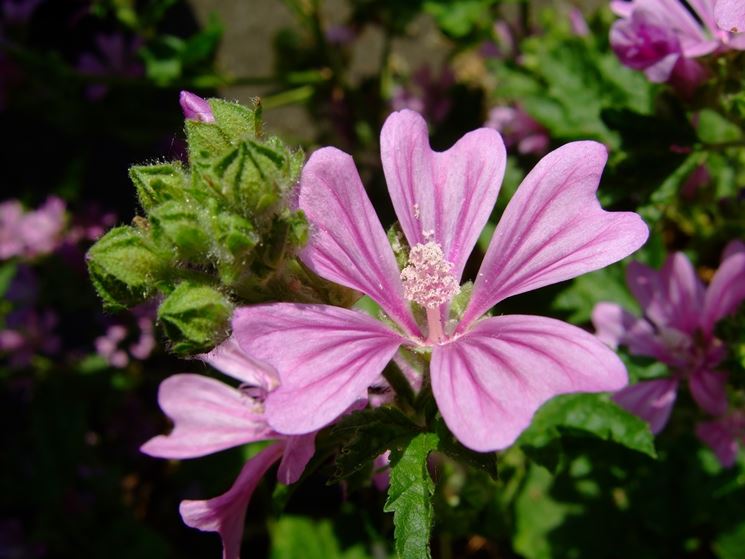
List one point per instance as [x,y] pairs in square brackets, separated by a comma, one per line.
[30,234]
[116,345]
[724,436]
[19,12]
[426,94]
[698,178]
[27,332]
[340,34]
[195,108]
[661,38]
[519,130]
[503,44]
[678,330]
[578,22]
[115,57]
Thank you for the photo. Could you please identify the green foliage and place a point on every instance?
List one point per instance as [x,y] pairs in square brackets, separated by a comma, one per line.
[409,496]
[297,537]
[462,18]
[713,128]
[565,84]
[369,433]
[585,415]
[169,59]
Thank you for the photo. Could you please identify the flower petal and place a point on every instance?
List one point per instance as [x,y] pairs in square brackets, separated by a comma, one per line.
[674,297]
[347,243]
[226,514]
[709,390]
[554,229]
[208,416]
[489,382]
[650,400]
[614,326]
[442,196]
[230,359]
[730,15]
[298,452]
[326,358]
[727,289]
[720,436]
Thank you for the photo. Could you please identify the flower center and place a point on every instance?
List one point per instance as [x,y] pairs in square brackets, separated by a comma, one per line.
[428,279]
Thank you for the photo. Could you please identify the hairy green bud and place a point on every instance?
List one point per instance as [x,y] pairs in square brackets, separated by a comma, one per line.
[124,267]
[180,225]
[156,184]
[195,317]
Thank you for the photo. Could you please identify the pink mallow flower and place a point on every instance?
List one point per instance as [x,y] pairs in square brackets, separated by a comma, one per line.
[519,130]
[210,416]
[677,329]
[662,38]
[724,436]
[488,375]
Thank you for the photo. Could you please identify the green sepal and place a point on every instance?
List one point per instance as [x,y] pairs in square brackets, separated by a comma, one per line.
[124,267]
[236,121]
[206,141]
[235,234]
[180,225]
[195,317]
[156,184]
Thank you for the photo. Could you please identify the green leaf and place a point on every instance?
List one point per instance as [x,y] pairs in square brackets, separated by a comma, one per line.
[297,537]
[459,19]
[367,434]
[537,515]
[730,544]
[7,273]
[586,414]
[195,317]
[713,128]
[410,497]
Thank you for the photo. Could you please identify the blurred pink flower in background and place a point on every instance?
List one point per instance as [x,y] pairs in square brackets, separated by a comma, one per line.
[426,94]
[115,57]
[519,130]
[489,375]
[27,235]
[724,436]
[578,22]
[120,344]
[662,38]
[677,329]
